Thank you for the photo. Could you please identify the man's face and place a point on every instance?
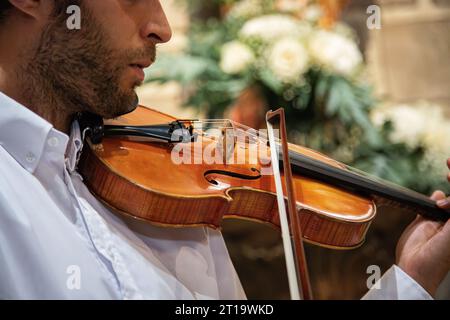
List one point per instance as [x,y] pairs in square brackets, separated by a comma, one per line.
[98,67]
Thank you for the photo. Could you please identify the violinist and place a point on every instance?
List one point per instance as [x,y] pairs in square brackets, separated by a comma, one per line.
[58,241]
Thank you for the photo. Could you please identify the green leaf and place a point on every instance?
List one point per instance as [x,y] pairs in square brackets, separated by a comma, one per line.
[269,79]
[334,101]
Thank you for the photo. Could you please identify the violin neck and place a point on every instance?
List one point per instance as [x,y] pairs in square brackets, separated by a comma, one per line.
[383,192]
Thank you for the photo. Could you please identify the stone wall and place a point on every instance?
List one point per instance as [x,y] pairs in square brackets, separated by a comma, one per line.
[410,56]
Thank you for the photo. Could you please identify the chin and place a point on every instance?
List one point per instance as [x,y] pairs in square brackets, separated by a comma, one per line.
[134,104]
[126,107]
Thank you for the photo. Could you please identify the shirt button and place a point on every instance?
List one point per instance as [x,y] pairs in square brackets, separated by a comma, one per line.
[53,142]
[30,157]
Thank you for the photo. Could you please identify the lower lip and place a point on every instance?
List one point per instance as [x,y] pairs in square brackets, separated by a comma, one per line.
[139,73]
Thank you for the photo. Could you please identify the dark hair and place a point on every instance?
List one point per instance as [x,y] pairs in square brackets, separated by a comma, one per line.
[60,7]
[5,5]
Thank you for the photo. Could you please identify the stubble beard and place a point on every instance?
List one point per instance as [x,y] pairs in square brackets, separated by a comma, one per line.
[76,70]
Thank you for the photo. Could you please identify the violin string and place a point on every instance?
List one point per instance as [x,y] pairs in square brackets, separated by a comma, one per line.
[234,125]
[258,136]
[229,124]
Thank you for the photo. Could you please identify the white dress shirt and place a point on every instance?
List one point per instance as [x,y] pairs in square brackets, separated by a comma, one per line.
[57,241]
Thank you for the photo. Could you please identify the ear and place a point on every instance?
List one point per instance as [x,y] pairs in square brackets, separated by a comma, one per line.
[37,9]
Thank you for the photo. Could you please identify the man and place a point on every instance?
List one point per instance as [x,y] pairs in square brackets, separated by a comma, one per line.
[56,239]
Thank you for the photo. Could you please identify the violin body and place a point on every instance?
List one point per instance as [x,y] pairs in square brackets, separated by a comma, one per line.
[140,179]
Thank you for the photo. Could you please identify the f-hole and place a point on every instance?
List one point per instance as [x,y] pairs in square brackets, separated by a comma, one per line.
[255,176]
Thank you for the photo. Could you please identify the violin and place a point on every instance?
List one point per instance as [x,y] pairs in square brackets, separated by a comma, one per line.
[133,165]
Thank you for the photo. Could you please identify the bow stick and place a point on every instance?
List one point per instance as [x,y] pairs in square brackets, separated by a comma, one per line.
[296,264]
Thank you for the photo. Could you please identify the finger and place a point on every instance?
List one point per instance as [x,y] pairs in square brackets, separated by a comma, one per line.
[410,229]
[448,177]
[406,234]
[448,163]
[443,237]
[437,195]
[444,203]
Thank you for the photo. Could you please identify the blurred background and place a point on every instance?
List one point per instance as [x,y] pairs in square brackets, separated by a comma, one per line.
[367,85]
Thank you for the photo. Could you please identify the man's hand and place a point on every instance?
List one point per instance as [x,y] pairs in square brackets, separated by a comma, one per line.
[423,250]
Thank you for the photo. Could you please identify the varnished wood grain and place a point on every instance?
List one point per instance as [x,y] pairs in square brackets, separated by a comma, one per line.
[141,180]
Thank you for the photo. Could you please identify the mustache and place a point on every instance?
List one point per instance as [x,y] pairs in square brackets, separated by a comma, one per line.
[146,53]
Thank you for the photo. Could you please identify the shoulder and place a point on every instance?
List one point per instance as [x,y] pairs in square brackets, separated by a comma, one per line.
[11,172]
[14,182]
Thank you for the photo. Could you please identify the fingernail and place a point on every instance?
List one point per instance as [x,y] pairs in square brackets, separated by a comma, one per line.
[442,202]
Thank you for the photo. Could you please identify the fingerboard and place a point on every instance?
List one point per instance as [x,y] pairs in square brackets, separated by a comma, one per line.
[382,191]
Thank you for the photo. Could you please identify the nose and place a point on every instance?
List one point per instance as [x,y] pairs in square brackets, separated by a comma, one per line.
[157,27]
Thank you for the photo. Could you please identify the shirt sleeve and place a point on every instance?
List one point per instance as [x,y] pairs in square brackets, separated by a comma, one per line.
[395,284]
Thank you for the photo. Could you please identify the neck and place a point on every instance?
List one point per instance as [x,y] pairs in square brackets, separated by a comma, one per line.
[40,102]
[60,119]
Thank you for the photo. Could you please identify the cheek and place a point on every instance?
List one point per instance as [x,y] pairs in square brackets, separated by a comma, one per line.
[117,23]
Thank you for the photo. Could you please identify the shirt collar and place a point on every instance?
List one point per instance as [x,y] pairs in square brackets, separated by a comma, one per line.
[24,134]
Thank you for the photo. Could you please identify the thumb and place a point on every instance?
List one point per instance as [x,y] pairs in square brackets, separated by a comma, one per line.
[437,195]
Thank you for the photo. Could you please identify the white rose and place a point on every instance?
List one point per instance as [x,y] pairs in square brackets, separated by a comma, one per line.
[436,140]
[313,13]
[271,27]
[235,57]
[288,60]
[437,127]
[419,124]
[407,123]
[409,126]
[290,5]
[246,8]
[335,52]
